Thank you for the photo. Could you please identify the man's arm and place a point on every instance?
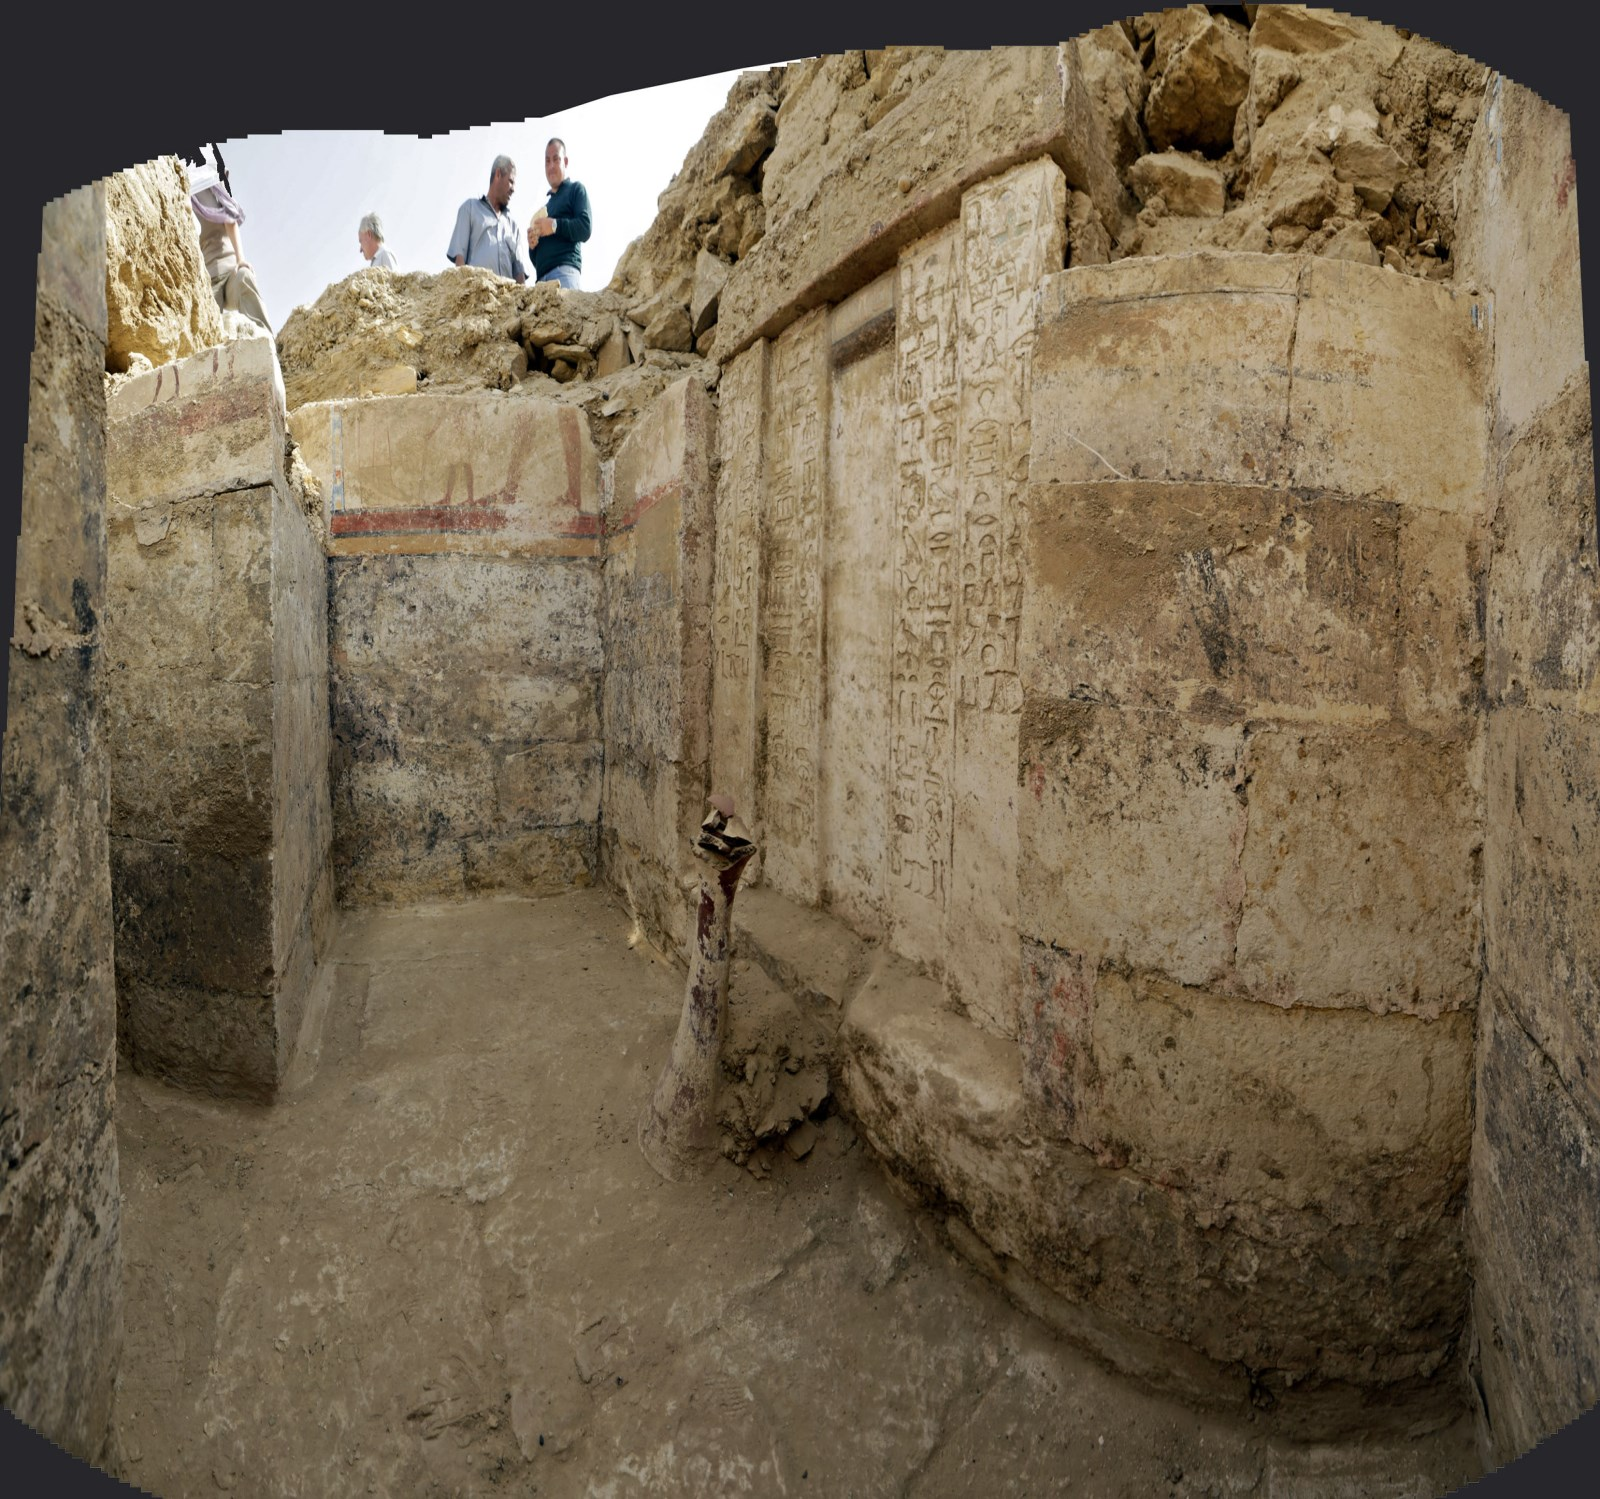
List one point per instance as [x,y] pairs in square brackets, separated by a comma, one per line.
[461,239]
[574,226]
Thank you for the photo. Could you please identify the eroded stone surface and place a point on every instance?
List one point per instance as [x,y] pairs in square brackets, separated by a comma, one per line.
[61,1287]
[158,298]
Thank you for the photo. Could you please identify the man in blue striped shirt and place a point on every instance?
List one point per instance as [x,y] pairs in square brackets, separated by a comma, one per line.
[486,234]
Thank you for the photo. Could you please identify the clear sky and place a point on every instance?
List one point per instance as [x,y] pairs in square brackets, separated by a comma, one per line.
[304,191]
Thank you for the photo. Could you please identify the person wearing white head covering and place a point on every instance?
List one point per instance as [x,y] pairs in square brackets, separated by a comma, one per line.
[233,281]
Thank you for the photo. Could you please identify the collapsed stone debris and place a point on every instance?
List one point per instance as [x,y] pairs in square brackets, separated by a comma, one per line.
[1118,520]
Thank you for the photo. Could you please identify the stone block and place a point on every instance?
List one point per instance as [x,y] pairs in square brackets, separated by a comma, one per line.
[543,861]
[157,292]
[477,472]
[1541,886]
[1130,827]
[858,603]
[1203,74]
[1439,629]
[809,954]
[1517,242]
[1127,377]
[548,785]
[1252,1111]
[524,616]
[1535,1230]
[1387,398]
[193,764]
[1190,188]
[1543,596]
[980,114]
[1152,1278]
[1012,236]
[203,425]
[196,921]
[1360,867]
[1384,399]
[199,1037]
[72,252]
[1218,599]
[736,667]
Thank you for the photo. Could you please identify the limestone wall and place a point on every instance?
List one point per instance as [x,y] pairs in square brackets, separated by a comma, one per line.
[1250,820]
[60,1249]
[216,622]
[464,588]
[1107,643]
[656,700]
[1535,1197]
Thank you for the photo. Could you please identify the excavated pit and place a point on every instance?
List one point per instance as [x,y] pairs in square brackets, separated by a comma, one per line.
[1126,544]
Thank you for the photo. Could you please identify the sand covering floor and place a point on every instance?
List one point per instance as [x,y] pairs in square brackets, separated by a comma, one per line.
[439,1265]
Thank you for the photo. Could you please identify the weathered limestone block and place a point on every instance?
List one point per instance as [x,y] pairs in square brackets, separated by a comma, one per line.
[1388,388]
[1012,235]
[1311,1302]
[790,606]
[656,626]
[1203,73]
[1187,186]
[1383,395]
[982,113]
[1370,165]
[60,1238]
[1517,241]
[1127,379]
[465,715]
[735,673]
[1361,870]
[1254,1112]
[1129,837]
[921,704]
[216,623]
[206,424]
[1535,1229]
[471,472]
[1541,886]
[858,605]
[158,296]
[1544,586]
[1118,87]
[1225,599]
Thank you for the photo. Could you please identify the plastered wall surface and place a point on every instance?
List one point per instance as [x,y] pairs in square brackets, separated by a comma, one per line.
[216,619]
[656,632]
[61,1326]
[1535,1198]
[465,595]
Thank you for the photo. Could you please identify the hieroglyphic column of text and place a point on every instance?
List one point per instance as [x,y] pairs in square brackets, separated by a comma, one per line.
[735,679]
[922,701]
[1012,233]
[791,604]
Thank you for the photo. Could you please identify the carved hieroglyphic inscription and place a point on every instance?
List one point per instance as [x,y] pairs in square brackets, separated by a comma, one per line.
[733,614]
[922,689]
[1012,233]
[791,604]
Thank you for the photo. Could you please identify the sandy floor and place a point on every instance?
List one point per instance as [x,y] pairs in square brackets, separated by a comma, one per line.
[440,1266]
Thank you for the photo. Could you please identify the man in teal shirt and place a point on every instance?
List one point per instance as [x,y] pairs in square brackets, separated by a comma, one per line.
[555,236]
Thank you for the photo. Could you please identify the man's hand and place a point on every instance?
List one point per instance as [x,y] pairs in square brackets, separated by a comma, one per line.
[540,227]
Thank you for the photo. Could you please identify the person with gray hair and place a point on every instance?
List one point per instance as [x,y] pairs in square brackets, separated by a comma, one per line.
[486,235]
[370,235]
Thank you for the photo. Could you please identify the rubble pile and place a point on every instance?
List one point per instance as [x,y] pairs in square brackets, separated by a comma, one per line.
[1306,131]
[159,305]
[380,332]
